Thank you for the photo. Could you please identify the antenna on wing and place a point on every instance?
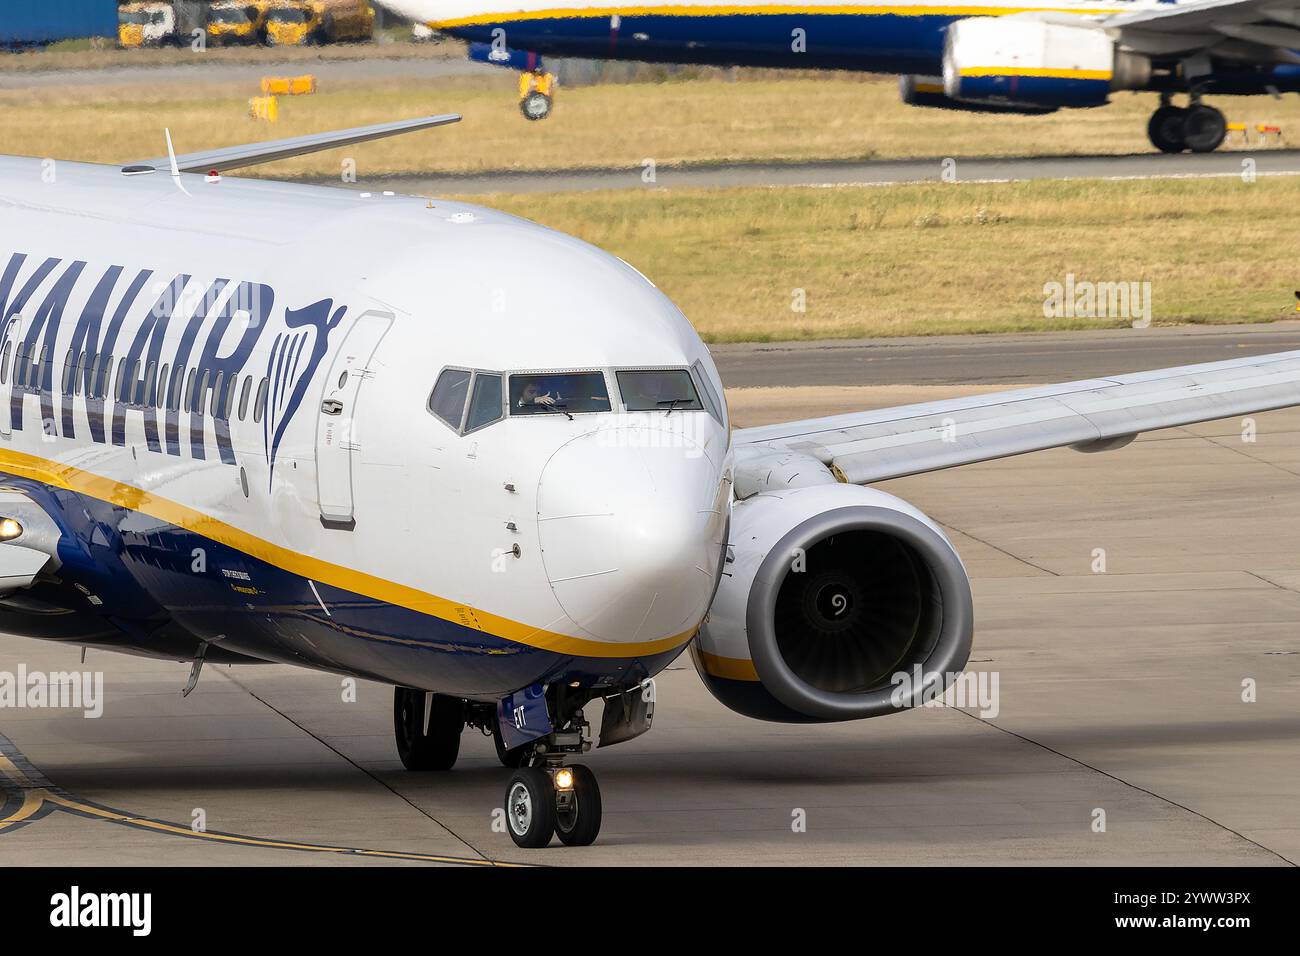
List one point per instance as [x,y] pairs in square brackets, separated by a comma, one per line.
[176,170]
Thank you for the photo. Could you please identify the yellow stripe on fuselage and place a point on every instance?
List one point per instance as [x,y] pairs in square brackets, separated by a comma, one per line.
[1037,71]
[358,582]
[773,9]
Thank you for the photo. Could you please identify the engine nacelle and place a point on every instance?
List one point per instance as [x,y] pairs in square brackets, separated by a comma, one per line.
[828,593]
[1036,62]
[928,91]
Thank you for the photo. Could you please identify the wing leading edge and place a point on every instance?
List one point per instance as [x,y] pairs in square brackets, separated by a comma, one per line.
[1091,415]
[250,154]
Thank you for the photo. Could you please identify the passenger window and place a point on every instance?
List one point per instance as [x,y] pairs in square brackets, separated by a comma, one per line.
[243,397]
[259,406]
[663,389]
[447,400]
[67,373]
[539,393]
[485,405]
[214,406]
[4,363]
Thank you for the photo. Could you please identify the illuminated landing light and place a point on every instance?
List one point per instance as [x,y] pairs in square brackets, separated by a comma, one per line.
[564,779]
[9,529]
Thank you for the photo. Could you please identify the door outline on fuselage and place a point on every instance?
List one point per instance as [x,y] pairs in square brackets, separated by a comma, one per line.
[10,342]
[336,439]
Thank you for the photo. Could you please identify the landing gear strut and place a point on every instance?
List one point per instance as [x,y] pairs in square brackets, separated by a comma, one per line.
[544,797]
[1197,127]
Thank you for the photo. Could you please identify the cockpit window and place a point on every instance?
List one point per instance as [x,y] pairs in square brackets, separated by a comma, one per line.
[538,393]
[662,389]
[717,407]
[485,404]
[449,394]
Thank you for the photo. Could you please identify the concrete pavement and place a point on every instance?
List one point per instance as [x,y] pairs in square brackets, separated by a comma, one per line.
[1119,691]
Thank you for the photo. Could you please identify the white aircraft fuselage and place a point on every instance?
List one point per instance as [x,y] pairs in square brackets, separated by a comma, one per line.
[219,395]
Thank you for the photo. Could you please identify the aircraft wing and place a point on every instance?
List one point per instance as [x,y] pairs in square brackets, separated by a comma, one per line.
[1092,415]
[1264,30]
[250,154]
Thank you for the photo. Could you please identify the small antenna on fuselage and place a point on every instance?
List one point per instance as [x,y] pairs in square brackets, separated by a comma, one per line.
[176,170]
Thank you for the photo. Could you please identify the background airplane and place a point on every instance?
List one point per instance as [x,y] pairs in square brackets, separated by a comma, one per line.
[1019,56]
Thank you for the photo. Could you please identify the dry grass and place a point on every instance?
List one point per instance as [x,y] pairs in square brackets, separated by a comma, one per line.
[930,259]
[758,117]
[102,54]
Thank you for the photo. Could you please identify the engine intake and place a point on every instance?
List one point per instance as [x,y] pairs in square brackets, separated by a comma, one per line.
[830,592]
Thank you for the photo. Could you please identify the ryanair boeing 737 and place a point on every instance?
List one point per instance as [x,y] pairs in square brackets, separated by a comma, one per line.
[429,444]
[1002,56]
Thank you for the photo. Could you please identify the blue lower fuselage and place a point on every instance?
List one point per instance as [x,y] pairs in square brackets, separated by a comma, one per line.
[130,582]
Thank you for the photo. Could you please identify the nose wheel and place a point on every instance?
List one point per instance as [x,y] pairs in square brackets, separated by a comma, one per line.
[553,800]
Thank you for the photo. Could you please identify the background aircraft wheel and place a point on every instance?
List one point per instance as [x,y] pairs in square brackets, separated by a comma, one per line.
[437,748]
[1204,129]
[515,757]
[577,820]
[1165,129]
[530,807]
[535,106]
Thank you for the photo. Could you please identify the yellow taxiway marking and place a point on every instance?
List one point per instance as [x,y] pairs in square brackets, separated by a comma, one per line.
[37,798]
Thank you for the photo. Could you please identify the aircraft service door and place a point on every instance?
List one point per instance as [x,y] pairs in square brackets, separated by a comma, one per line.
[336,440]
[8,345]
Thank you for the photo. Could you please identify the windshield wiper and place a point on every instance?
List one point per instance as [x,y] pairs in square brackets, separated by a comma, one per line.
[559,408]
[671,403]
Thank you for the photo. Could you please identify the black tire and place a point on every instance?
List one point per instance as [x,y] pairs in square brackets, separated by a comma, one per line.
[438,748]
[1165,129]
[530,808]
[1204,129]
[512,758]
[579,825]
[535,106]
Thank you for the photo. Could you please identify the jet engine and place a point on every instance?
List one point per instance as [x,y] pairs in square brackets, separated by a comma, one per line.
[837,602]
[928,91]
[1036,62]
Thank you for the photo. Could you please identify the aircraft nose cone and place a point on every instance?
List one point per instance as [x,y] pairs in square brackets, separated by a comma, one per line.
[631,522]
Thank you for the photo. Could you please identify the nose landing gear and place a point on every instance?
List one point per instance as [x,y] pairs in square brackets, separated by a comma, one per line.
[1197,127]
[553,799]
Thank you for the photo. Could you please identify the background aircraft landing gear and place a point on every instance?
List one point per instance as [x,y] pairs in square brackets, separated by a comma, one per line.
[1198,127]
[535,94]
[552,799]
[535,106]
[1165,129]
[427,728]
[1204,128]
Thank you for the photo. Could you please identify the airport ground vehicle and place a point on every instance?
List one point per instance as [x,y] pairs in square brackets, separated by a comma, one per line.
[297,22]
[237,21]
[25,23]
[146,24]
[160,23]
